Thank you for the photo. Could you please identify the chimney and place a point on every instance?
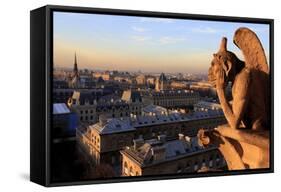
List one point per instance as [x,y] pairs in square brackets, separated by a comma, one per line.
[159,153]
[188,139]
[181,136]
[162,138]
[137,143]
[102,120]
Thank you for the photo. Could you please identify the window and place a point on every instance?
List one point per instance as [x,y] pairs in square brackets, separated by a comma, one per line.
[113,159]
[126,168]
[178,152]
[131,171]
[179,169]
[211,163]
[218,163]
[203,163]
[195,166]
[187,166]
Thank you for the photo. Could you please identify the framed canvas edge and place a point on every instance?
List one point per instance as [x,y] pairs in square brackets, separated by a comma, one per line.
[49,66]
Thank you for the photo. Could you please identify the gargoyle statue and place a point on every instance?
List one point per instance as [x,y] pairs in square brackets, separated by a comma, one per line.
[250,81]
[244,141]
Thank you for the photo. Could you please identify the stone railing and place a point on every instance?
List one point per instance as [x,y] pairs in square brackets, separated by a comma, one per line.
[241,148]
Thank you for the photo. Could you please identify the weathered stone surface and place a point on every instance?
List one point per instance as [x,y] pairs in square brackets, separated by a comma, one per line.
[244,142]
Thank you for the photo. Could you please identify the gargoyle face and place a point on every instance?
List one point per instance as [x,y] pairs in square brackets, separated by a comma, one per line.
[222,60]
[218,63]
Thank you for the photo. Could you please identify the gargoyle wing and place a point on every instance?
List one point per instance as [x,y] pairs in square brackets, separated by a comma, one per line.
[248,42]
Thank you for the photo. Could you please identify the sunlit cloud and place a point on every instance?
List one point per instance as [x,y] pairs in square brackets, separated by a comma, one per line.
[140,38]
[171,40]
[206,30]
[156,20]
[139,29]
[147,43]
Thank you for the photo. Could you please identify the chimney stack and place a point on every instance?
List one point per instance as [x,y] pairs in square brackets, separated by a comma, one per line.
[159,153]
[181,137]
[137,143]
[162,138]
[102,120]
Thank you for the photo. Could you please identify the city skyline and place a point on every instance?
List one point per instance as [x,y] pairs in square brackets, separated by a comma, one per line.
[128,43]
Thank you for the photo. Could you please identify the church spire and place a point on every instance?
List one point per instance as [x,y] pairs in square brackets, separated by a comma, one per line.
[75,59]
[75,70]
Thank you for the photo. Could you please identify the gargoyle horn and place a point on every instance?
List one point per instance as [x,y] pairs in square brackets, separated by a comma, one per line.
[223,45]
[248,42]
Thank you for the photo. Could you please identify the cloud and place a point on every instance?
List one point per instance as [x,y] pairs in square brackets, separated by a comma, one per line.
[139,29]
[208,30]
[171,40]
[140,38]
[156,20]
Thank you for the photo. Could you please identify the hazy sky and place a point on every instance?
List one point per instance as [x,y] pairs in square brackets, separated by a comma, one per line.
[140,43]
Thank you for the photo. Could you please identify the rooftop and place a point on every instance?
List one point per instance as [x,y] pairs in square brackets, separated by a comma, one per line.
[140,121]
[131,96]
[162,77]
[208,104]
[116,125]
[154,109]
[174,93]
[60,108]
[150,151]
[113,125]
[86,96]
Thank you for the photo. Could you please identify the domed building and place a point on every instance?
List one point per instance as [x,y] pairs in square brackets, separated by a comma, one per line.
[161,82]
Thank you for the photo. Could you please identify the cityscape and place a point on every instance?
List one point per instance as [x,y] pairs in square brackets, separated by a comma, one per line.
[134,123]
[113,122]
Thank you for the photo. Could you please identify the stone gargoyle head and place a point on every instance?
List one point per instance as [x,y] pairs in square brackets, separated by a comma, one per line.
[225,60]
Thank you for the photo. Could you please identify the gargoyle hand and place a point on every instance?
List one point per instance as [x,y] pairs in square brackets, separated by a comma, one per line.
[221,79]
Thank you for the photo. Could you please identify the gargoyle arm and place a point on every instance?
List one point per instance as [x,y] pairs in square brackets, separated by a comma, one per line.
[240,96]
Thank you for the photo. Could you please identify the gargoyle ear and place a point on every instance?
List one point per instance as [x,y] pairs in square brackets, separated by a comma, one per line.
[223,45]
[227,67]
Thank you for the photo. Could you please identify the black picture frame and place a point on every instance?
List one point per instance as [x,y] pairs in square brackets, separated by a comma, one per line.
[41,57]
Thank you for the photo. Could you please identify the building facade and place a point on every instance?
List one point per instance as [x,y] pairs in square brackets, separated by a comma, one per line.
[158,156]
[173,98]
[140,79]
[161,83]
[64,122]
[106,138]
[205,106]
[89,106]
[102,141]
[134,99]
[103,75]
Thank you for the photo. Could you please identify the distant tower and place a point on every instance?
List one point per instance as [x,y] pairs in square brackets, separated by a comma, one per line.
[75,69]
[161,83]
[75,79]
